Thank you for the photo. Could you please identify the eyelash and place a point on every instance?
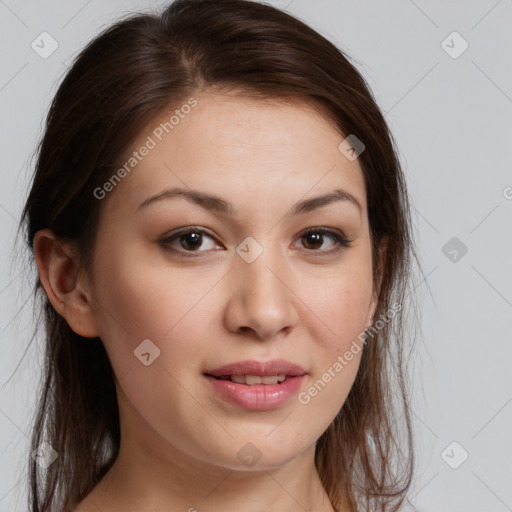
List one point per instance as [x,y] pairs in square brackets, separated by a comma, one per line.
[339,239]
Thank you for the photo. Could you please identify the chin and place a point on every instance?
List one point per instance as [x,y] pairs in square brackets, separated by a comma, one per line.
[255,455]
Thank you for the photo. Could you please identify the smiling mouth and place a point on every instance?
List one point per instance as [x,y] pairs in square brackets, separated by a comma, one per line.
[253,380]
[255,392]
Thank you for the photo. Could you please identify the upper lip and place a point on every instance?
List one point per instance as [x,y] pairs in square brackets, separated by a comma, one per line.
[275,367]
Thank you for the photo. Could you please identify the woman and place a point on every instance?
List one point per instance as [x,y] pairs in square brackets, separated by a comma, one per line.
[221,231]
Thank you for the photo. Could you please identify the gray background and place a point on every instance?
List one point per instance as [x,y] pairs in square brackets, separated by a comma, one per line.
[452,118]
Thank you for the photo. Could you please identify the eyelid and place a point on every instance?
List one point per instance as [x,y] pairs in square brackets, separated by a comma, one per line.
[165,242]
[342,242]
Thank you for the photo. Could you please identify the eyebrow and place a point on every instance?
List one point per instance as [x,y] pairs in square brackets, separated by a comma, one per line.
[216,204]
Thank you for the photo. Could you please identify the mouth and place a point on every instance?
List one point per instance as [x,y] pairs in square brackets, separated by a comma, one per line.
[257,372]
[253,380]
[255,385]
[274,368]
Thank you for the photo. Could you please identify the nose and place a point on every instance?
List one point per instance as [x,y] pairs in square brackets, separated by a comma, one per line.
[263,302]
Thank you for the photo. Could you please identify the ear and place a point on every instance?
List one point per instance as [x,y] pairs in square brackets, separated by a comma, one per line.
[65,286]
[381,253]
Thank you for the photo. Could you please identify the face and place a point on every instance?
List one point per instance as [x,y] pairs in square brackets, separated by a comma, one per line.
[184,286]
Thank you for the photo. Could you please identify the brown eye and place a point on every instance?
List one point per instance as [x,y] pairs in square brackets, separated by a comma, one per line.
[314,238]
[189,240]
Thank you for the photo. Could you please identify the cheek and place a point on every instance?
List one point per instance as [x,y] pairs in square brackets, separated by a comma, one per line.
[337,352]
[336,317]
[339,305]
[175,312]
[138,302]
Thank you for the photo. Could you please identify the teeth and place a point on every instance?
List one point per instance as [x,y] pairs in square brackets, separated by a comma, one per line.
[251,380]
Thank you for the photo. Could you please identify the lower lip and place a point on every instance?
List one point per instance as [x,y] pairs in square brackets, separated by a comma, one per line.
[259,397]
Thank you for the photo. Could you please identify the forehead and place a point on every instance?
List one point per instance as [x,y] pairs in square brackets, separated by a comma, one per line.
[226,143]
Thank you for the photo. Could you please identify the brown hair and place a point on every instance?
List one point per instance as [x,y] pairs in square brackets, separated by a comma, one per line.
[127,76]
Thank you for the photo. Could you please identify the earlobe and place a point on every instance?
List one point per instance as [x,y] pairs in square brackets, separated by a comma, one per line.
[64,286]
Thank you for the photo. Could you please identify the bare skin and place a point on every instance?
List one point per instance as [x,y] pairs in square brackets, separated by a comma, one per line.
[301,300]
